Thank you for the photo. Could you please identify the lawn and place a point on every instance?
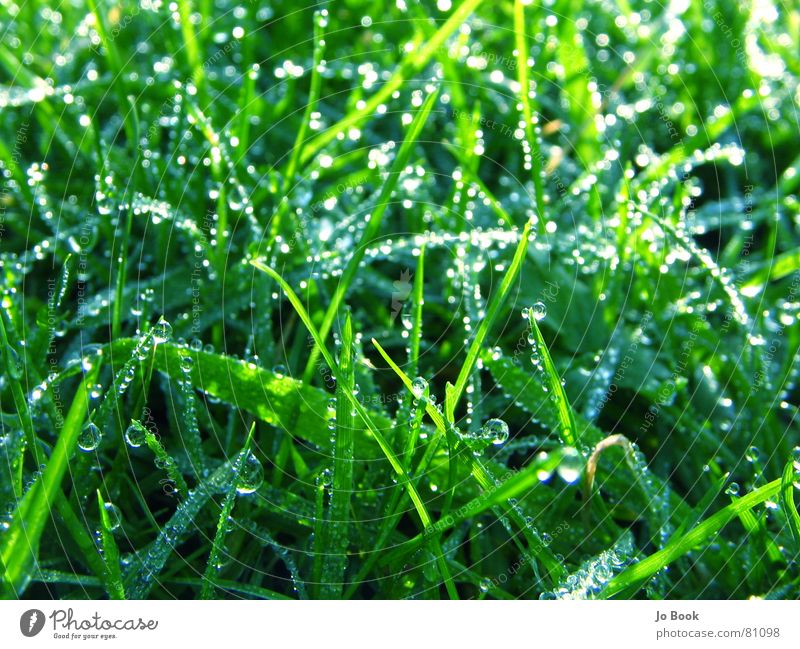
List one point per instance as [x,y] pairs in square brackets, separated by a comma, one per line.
[399,299]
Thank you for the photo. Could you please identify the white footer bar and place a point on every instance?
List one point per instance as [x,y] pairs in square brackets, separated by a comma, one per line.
[401,625]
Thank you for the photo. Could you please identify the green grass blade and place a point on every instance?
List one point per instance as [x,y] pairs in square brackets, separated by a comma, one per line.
[419,505]
[313,97]
[21,542]
[273,398]
[110,554]
[411,64]
[636,574]
[217,546]
[789,482]
[532,139]
[567,427]
[163,459]
[497,302]
[142,574]
[373,226]
[337,528]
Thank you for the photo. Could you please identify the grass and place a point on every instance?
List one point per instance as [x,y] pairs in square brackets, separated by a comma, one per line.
[380,300]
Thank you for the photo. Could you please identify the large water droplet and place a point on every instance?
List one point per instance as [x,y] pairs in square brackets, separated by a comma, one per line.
[569,469]
[733,489]
[134,436]
[114,516]
[162,331]
[539,311]
[419,387]
[496,431]
[326,478]
[90,437]
[251,475]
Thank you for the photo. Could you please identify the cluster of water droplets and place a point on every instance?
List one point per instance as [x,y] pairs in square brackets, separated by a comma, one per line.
[595,573]
[494,432]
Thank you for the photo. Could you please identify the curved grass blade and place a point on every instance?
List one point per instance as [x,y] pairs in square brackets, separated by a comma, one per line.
[788,482]
[275,399]
[635,576]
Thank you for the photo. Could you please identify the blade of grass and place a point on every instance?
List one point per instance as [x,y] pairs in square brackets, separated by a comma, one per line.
[521,43]
[142,574]
[299,141]
[163,458]
[272,398]
[567,428]
[207,589]
[788,482]
[319,536]
[337,529]
[21,541]
[637,574]
[497,302]
[110,554]
[373,225]
[419,505]
[414,61]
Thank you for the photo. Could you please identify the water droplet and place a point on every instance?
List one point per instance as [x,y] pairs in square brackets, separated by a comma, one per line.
[733,489]
[496,431]
[15,365]
[134,436]
[752,454]
[251,475]
[569,470]
[114,516]
[90,437]
[279,371]
[539,311]
[187,363]
[162,332]
[418,387]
